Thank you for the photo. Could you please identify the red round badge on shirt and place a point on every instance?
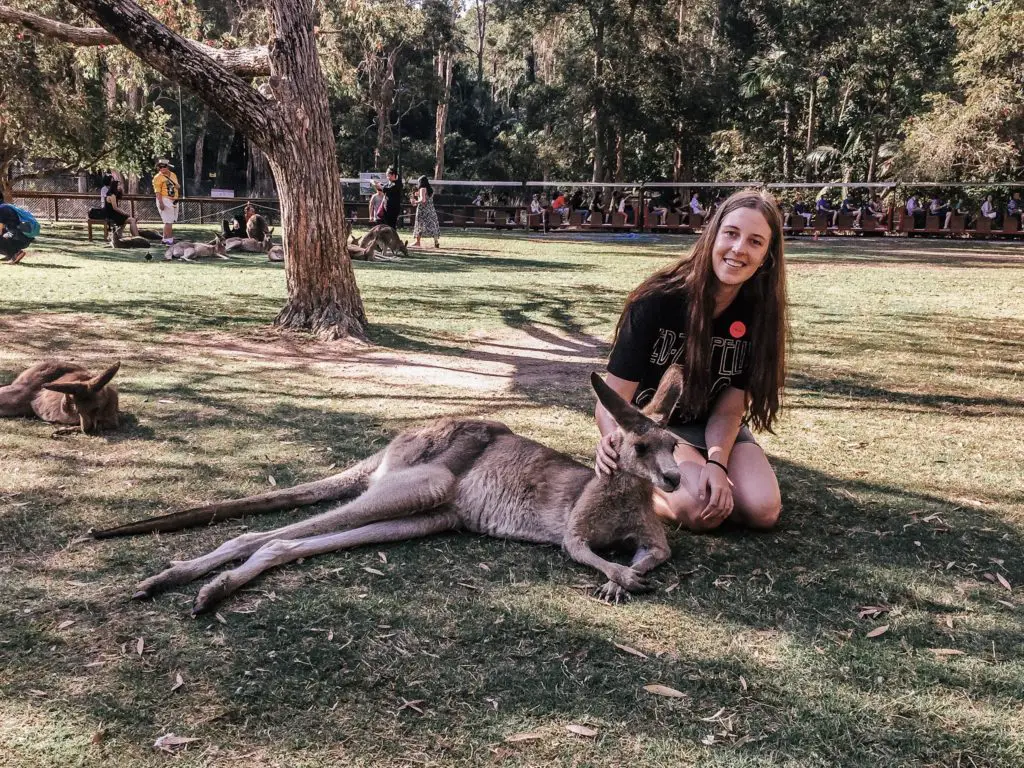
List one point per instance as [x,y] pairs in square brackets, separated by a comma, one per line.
[737,329]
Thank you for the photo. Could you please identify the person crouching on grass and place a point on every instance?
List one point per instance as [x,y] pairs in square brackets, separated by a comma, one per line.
[721,313]
[165,187]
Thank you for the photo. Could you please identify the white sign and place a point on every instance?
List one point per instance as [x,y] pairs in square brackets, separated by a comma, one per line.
[366,181]
[222,192]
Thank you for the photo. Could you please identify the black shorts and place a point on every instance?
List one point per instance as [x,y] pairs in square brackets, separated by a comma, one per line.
[693,435]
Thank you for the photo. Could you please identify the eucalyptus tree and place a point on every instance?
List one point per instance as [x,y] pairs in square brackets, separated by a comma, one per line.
[287,118]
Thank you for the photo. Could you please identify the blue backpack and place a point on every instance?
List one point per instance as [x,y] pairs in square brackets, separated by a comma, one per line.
[29,224]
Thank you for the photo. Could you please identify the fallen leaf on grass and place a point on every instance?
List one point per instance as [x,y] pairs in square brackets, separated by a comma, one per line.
[664,690]
[1007,603]
[140,646]
[946,652]
[170,742]
[878,631]
[271,480]
[630,650]
[374,571]
[1004,582]
[581,730]
[527,736]
[383,557]
[178,682]
[872,611]
[220,618]
[98,736]
[65,624]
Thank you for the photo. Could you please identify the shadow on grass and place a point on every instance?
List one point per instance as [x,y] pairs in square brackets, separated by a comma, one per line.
[489,652]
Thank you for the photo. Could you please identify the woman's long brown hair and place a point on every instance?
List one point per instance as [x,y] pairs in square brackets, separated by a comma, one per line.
[693,277]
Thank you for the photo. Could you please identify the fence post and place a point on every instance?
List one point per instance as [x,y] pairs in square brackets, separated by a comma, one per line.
[56,213]
[131,208]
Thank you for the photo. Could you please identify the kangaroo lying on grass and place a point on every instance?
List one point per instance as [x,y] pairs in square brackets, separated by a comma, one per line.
[453,475]
[134,241]
[276,253]
[248,244]
[188,251]
[380,237]
[63,393]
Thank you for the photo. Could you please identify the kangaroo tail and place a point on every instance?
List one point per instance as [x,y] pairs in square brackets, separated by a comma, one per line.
[348,484]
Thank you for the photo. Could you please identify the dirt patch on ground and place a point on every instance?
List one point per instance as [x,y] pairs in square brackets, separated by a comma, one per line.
[528,357]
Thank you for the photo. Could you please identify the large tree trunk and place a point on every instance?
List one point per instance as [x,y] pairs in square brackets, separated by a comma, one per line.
[445,68]
[787,146]
[227,140]
[481,38]
[809,144]
[259,176]
[200,147]
[291,124]
[598,114]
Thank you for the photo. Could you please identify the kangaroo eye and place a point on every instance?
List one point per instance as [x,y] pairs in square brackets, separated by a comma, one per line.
[640,449]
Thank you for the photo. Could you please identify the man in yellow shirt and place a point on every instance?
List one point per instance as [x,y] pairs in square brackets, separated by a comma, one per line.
[165,186]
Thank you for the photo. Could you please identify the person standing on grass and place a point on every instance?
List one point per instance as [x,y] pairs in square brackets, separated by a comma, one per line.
[426,214]
[392,189]
[720,313]
[165,187]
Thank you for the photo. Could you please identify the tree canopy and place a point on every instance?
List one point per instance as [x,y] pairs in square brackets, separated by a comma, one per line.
[785,90]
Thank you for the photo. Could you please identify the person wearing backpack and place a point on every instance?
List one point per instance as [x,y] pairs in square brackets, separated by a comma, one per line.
[18,229]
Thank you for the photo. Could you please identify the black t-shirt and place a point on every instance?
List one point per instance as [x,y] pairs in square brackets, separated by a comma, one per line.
[653,336]
[392,198]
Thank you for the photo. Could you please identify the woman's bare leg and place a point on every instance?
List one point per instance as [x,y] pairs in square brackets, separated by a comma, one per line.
[757,501]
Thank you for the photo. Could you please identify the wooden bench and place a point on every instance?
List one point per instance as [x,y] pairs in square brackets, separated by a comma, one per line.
[1011,224]
[596,220]
[957,223]
[576,219]
[984,225]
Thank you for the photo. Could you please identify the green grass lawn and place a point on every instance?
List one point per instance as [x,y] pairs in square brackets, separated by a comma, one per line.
[900,460]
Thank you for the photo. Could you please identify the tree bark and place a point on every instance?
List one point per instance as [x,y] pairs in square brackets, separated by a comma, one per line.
[200,147]
[445,68]
[244,62]
[809,144]
[292,126]
[258,175]
[481,38]
[787,146]
[598,114]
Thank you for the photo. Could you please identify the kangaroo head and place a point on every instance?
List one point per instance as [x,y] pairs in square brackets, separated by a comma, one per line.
[95,403]
[645,448]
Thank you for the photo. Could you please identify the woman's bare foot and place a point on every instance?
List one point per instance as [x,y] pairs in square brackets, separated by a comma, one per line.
[17,257]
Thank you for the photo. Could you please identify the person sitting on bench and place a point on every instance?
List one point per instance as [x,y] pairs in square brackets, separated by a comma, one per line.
[800,209]
[1013,207]
[824,207]
[989,211]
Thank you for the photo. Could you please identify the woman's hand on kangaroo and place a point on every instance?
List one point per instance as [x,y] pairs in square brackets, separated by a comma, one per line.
[716,487]
[607,459]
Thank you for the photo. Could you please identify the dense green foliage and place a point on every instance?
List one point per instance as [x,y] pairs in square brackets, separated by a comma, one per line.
[781,90]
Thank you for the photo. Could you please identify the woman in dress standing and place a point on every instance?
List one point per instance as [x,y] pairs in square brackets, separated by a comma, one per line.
[426,216]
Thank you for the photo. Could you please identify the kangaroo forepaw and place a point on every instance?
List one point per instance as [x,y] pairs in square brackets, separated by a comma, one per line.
[611,592]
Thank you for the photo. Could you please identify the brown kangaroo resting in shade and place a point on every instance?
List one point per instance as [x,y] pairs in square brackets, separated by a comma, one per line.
[63,393]
[470,475]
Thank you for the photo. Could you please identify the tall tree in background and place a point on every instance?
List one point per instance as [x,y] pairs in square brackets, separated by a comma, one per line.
[288,120]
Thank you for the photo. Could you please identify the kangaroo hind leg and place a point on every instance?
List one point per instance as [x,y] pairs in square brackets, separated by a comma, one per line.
[281,551]
[394,494]
[15,400]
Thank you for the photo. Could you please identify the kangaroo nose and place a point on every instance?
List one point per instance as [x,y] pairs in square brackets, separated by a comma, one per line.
[672,480]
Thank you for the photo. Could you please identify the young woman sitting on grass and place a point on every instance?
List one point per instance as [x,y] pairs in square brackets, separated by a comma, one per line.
[719,312]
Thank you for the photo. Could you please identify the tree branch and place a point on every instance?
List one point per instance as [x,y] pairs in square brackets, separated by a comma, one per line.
[183,61]
[244,62]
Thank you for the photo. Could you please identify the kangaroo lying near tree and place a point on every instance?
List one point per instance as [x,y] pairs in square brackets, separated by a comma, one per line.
[276,253]
[188,251]
[63,393]
[452,475]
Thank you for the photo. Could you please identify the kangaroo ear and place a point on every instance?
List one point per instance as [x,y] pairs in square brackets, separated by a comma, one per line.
[68,388]
[670,389]
[625,415]
[99,382]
